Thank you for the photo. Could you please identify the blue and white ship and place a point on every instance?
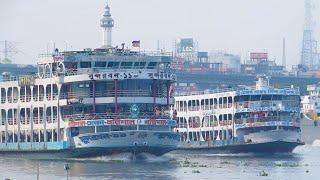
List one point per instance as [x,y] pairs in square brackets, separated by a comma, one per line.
[89,103]
[261,119]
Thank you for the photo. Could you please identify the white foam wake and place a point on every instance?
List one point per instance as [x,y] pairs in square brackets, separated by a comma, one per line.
[316,143]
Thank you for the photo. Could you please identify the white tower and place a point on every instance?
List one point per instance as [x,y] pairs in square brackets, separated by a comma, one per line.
[107,25]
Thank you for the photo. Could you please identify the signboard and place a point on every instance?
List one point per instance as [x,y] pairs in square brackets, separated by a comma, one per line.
[107,122]
[26,80]
[75,101]
[186,45]
[259,56]
[270,123]
[258,109]
[269,91]
[131,75]
[114,75]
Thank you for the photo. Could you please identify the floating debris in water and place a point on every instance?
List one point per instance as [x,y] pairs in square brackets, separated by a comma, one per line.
[195,171]
[187,163]
[287,164]
[224,162]
[263,173]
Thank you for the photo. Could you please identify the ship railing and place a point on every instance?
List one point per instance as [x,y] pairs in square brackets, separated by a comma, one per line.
[25,98]
[156,53]
[71,72]
[194,108]
[53,97]
[120,93]
[35,98]
[205,92]
[24,120]
[182,125]
[12,100]
[12,121]
[36,120]
[206,107]
[51,119]
[11,78]
[22,98]
[264,119]
[41,97]
[95,116]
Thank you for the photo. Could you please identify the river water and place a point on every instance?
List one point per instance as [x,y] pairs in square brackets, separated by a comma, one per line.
[303,163]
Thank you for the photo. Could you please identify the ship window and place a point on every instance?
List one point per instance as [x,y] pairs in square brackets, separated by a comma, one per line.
[100,64]
[276,97]
[139,65]
[255,98]
[126,65]
[152,65]
[241,98]
[113,65]
[266,97]
[224,100]
[85,64]
[292,98]
[211,101]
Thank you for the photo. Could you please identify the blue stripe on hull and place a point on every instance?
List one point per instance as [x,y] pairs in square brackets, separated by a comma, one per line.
[269,147]
[87,152]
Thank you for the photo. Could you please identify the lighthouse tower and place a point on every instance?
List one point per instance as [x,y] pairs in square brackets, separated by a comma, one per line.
[107,24]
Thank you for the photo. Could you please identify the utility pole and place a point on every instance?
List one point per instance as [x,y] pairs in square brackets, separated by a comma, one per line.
[284,63]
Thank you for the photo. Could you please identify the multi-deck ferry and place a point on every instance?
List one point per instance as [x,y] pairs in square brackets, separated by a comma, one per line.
[88,103]
[247,119]
[310,104]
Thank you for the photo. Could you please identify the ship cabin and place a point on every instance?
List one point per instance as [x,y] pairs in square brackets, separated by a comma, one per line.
[87,91]
[264,108]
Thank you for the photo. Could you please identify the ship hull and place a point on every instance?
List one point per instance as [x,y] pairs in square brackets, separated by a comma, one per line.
[229,147]
[86,152]
[103,144]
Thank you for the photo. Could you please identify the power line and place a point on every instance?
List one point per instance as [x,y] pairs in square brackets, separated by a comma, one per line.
[9,50]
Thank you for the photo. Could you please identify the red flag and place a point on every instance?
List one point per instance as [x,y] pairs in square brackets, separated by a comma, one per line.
[136,43]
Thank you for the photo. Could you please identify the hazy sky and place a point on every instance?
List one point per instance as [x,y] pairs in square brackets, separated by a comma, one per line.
[236,26]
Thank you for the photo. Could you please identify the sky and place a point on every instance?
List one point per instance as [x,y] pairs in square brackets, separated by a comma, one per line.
[235,26]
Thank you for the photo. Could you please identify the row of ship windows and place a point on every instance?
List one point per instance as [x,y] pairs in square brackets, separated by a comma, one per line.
[204,104]
[206,135]
[11,115]
[208,121]
[25,136]
[115,65]
[38,93]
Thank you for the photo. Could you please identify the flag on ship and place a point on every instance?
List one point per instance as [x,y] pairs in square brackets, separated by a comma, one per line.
[136,43]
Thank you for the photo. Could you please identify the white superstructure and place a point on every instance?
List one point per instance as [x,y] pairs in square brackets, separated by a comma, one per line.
[311,102]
